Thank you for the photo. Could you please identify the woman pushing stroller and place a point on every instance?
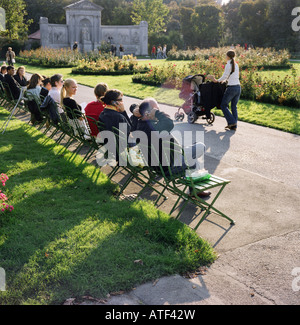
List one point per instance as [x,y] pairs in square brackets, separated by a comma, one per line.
[232,92]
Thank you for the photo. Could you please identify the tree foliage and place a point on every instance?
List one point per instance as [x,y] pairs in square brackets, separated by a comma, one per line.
[191,23]
[254,16]
[206,23]
[152,11]
[15,13]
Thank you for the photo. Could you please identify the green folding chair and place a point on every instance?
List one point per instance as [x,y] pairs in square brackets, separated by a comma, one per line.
[186,188]
[136,170]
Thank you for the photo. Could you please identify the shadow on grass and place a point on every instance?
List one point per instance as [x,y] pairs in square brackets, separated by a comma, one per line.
[68,236]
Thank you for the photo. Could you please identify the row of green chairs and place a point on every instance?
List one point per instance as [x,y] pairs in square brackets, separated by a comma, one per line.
[174,180]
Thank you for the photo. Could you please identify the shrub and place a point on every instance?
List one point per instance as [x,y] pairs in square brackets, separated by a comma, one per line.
[254,87]
[267,58]
[109,65]
[50,57]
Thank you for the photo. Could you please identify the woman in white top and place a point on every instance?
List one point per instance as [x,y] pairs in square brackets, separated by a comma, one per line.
[232,92]
[56,85]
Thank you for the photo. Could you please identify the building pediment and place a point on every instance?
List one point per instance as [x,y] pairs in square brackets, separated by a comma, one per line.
[83,5]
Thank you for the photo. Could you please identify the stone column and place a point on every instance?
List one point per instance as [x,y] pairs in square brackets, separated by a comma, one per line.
[44,30]
[143,27]
[71,29]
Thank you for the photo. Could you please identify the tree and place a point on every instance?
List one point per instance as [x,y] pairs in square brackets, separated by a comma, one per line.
[186,25]
[232,21]
[109,9]
[53,10]
[16,27]
[206,25]
[152,11]
[122,14]
[253,26]
[279,25]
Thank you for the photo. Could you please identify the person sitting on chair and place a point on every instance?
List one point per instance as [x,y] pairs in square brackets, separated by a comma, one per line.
[95,108]
[134,118]
[47,84]
[20,77]
[114,112]
[2,74]
[11,82]
[33,93]
[74,110]
[114,117]
[152,119]
[56,84]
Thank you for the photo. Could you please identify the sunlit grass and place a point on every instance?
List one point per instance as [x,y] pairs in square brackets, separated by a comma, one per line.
[68,236]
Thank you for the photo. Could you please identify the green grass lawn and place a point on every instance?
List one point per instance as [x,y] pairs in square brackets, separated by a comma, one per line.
[279,117]
[281,73]
[68,236]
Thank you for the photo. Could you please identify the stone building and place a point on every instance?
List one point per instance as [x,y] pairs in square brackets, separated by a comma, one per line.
[83,25]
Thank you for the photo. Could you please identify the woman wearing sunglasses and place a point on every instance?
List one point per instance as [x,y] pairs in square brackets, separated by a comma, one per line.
[114,112]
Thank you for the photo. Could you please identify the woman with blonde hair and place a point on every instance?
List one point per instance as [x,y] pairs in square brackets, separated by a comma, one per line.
[73,110]
[68,90]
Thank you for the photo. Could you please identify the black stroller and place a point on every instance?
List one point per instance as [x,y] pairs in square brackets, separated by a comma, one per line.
[200,97]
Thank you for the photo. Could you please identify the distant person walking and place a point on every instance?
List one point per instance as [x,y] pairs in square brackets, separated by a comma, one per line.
[113,50]
[121,49]
[10,57]
[159,52]
[75,46]
[153,52]
[232,92]
[165,52]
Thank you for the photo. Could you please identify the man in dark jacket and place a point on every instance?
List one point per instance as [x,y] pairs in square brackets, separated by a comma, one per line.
[11,83]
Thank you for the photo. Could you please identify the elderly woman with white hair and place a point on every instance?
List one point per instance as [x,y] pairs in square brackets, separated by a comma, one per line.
[157,126]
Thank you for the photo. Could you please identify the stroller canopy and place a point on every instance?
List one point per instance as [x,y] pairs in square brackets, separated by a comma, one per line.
[191,84]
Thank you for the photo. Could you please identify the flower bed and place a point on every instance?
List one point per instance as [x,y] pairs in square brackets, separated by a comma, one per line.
[47,57]
[168,75]
[3,198]
[274,91]
[110,65]
[266,58]
[254,87]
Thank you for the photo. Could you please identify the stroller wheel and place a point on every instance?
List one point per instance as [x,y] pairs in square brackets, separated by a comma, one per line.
[181,117]
[176,116]
[211,118]
[192,117]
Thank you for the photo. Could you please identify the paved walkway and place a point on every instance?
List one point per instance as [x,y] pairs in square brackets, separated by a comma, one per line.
[257,256]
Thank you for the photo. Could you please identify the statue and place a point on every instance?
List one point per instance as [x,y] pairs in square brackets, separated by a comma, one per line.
[85,33]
